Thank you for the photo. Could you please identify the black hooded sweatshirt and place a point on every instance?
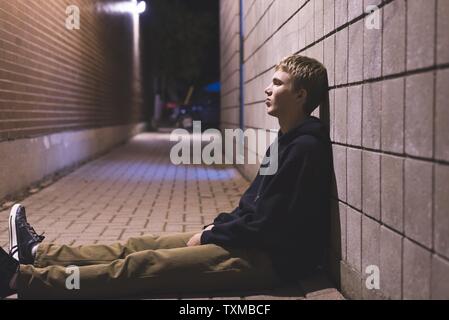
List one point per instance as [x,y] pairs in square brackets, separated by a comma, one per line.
[286,214]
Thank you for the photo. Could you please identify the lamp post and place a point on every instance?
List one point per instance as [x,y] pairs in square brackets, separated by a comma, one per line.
[133,8]
[121,7]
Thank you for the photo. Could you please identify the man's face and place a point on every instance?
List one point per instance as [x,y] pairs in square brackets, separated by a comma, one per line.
[281,100]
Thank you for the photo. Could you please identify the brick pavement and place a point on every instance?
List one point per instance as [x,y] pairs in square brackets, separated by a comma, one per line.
[135,190]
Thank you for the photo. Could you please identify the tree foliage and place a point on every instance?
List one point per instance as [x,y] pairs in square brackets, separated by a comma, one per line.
[180,37]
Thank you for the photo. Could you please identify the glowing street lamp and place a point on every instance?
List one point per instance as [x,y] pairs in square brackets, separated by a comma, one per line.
[141,7]
[123,7]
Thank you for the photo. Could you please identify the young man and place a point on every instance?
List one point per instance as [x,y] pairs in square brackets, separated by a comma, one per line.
[278,233]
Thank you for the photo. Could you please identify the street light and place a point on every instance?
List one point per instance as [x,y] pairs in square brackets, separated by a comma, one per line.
[122,7]
[141,7]
[133,9]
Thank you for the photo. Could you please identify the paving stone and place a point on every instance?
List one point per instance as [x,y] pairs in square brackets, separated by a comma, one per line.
[319,287]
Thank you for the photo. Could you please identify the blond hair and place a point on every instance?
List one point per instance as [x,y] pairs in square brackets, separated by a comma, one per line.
[308,74]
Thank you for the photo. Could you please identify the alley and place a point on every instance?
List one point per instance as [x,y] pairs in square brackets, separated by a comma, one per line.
[131,191]
[135,190]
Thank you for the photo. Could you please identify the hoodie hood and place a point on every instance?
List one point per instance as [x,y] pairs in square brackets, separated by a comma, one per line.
[309,126]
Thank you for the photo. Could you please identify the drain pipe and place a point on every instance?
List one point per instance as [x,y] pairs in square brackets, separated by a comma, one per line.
[241,60]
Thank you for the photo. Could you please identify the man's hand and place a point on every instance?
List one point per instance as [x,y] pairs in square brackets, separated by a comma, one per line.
[196,239]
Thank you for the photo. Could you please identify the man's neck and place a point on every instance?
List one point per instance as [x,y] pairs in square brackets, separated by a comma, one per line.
[287,124]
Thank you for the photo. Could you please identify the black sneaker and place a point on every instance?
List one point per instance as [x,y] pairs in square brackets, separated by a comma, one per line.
[8,267]
[22,237]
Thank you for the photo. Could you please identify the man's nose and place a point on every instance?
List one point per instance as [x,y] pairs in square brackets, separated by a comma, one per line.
[267,91]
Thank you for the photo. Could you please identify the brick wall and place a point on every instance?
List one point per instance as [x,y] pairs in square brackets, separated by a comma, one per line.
[388,119]
[54,79]
[65,95]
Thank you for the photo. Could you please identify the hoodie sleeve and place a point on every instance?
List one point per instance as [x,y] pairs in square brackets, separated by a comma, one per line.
[286,208]
[222,217]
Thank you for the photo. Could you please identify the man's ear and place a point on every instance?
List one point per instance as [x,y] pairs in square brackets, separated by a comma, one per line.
[301,95]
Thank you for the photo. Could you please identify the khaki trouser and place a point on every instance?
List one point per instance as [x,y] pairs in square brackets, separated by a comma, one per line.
[147,265]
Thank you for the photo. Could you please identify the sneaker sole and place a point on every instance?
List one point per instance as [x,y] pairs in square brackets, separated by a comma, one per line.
[13,230]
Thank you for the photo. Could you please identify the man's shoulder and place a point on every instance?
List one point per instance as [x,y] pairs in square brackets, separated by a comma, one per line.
[307,143]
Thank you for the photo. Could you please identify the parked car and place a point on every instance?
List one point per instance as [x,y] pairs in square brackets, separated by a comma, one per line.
[208,112]
[185,118]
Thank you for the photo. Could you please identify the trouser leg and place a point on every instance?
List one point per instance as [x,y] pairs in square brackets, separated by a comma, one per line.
[53,254]
[198,269]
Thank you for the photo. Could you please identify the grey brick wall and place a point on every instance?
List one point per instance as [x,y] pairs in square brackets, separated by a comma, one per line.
[388,123]
[54,79]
